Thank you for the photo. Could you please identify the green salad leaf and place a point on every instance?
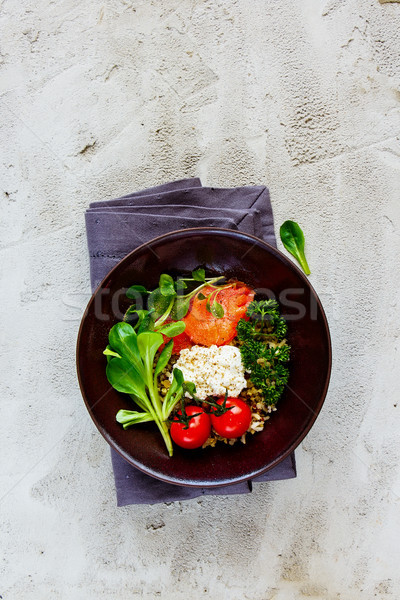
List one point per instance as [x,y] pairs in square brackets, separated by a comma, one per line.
[166,285]
[180,308]
[158,303]
[172,329]
[133,291]
[164,358]
[124,377]
[293,239]
[199,275]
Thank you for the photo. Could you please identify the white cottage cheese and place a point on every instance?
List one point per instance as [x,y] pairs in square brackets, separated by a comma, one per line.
[213,370]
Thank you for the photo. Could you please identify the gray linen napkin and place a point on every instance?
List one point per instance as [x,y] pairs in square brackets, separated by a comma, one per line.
[115,227]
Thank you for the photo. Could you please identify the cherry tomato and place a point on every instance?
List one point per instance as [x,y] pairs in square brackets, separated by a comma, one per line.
[198,431]
[235,422]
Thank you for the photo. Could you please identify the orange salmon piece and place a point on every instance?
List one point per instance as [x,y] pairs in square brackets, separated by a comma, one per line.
[204,329]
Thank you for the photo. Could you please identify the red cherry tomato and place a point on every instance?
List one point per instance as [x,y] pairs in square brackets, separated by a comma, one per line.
[235,422]
[198,431]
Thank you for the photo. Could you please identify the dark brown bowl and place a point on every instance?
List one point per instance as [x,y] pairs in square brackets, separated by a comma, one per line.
[268,271]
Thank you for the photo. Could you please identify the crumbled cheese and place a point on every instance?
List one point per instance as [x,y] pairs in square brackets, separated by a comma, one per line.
[213,370]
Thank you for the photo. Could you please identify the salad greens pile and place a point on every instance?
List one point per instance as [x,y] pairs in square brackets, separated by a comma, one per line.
[264,350]
[132,369]
[169,302]
[133,366]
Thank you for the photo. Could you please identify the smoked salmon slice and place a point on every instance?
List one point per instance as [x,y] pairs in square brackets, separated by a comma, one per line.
[203,328]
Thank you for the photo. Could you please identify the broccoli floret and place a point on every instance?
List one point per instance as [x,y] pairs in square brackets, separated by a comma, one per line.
[264,350]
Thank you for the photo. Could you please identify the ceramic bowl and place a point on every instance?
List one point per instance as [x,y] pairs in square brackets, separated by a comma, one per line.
[270,273]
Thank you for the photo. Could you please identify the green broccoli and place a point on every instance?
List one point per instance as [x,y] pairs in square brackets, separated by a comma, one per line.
[263,348]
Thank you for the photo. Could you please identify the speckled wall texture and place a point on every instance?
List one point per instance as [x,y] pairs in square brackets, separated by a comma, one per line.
[102,98]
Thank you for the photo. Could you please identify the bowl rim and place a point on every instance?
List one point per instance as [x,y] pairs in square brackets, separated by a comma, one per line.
[301,435]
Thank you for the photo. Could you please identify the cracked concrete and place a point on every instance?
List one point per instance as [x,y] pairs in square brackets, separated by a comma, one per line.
[99,99]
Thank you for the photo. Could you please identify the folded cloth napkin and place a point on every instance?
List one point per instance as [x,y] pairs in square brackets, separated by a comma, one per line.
[116,227]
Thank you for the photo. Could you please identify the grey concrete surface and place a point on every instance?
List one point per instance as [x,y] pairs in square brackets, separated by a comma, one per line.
[102,98]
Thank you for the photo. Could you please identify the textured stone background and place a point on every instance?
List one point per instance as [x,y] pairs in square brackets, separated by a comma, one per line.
[102,98]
